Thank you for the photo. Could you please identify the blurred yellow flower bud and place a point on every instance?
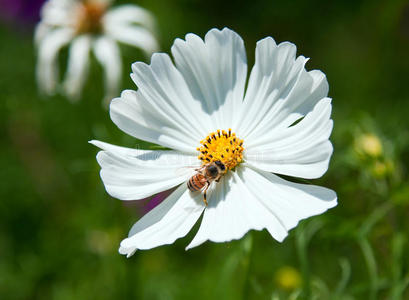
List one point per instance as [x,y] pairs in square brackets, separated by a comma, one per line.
[380,169]
[288,278]
[368,144]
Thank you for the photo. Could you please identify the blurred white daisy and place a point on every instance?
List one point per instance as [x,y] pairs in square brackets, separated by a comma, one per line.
[88,25]
[201,108]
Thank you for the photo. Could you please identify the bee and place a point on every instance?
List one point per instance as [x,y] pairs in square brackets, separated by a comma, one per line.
[205,176]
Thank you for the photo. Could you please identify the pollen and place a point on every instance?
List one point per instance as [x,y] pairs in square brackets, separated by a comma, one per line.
[224,146]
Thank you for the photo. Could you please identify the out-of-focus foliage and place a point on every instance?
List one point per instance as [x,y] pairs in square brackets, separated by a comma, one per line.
[59,230]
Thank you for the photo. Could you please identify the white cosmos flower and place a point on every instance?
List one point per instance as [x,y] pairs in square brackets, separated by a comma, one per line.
[88,25]
[181,106]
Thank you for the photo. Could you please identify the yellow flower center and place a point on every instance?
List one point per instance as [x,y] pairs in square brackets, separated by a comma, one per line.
[90,13]
[223,146]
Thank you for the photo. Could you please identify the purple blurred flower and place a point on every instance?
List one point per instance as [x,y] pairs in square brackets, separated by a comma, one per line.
[156,200]
[21,11]
[147,204]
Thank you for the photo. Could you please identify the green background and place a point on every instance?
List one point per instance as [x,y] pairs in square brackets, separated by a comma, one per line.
[60,231]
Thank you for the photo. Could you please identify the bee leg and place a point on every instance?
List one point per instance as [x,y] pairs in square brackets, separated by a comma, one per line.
[204,198]
[199,169]
[205,195]
[218,178]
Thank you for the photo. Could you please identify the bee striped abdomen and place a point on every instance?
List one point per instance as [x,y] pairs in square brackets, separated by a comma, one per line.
[196,182]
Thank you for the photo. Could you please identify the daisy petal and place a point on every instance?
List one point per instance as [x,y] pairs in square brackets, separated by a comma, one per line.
[78,65]
[107,53]
[59,13]
[162,111]
[280,90]
[41,31]
[134,35]
[133,174]
[47,67]
[302,150]
[129,13]
[233,210]
[215,70]
[170,220]
[289,201]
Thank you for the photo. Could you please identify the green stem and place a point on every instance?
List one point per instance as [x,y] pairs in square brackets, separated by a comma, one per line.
[247,262]
[301,246]
[304,234]
[371,265]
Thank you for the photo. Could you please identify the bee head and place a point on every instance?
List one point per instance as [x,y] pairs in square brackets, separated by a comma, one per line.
[212,170]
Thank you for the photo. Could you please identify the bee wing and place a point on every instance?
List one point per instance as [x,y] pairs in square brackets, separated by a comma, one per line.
[189,170]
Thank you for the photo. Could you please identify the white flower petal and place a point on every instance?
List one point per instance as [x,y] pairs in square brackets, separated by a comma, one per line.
[78,66]
[302,150]
[118,149]
[215,70]
[289,201]
[233,210]
[170,220]
[280,90]
[41,31]
[129,13]
[134,35]
[59,13]
[162,111]
[107,53]
[47,63]
[133,174]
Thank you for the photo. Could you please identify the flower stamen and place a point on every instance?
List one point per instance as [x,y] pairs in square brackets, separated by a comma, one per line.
[222,146]
[90,14]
